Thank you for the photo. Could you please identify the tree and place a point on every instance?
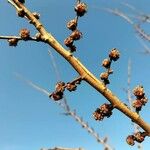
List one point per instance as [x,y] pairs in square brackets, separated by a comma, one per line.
[89,29]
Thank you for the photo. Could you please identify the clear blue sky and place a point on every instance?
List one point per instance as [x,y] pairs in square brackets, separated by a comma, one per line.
[28,119]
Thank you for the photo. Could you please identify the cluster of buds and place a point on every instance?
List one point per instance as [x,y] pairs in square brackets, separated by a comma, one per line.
[24,35]
[80,9]
[58,93]
[61,86]
[113,56]
[141,100]
[104,110]
[138,137]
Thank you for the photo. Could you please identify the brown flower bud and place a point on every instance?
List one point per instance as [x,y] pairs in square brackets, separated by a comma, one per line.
[72,24]
[139,91]
[144,100]
[24,34]
[114,54]
[56,96]
[106,109]
[137,104]
[13,42]
[81,9]
[59,87]
[130,140]
[68,41]
[36,15]
[98,115]
[76,35]
[139,137]
[71,87]
[104,76]
[106,63]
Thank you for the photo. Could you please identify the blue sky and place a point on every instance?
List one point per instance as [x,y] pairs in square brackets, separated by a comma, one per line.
[28,119]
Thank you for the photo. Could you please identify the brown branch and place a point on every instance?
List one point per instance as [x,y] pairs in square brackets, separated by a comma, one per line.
[82,70]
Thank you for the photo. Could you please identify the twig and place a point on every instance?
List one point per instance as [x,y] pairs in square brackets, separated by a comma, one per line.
[131,7]
[137,27]
[61,148]
[18,38]
[31,84]
[119,13]
[141,32]
[147,49]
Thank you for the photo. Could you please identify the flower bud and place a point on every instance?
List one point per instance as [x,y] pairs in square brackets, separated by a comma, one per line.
[71,87]
[72,24]
[130,140]
[114,54]
[24,34]
[68,41]
[139,91]
[81,9]
[76,35]
[106,63]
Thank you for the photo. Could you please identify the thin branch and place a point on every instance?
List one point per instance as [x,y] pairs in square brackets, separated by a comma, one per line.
[119,13]
[137,27]
[141,32]
[54,66]
[83,71]
[18,38]
[140,15]
[32,84]
[131,7]
[61,148]
[147,49]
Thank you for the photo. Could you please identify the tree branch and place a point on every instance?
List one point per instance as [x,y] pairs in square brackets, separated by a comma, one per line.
[82,70]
